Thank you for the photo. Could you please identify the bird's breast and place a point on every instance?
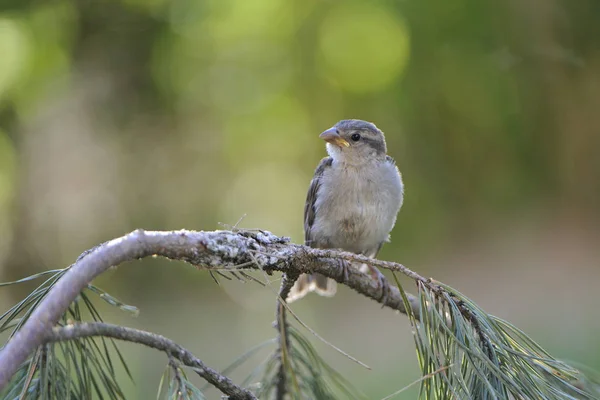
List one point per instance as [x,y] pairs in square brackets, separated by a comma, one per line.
[356,207]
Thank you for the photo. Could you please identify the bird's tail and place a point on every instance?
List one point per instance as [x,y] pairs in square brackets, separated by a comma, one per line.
[307,283]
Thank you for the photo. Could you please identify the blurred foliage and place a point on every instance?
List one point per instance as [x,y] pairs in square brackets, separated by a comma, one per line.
[119,114]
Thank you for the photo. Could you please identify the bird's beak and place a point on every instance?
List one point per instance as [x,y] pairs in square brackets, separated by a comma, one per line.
[331,136]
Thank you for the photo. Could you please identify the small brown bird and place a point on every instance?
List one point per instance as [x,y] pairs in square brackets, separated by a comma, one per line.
[352,200]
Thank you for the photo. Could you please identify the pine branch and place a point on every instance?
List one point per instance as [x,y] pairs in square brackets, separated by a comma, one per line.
[158,342]
[218,250]
[480,356]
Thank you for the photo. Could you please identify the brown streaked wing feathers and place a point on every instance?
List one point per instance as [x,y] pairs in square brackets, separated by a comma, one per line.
[313,282]
[311,196]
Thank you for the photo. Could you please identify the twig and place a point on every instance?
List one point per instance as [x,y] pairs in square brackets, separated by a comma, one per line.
[322,339]
[158,342]
[281,324]
[174,365]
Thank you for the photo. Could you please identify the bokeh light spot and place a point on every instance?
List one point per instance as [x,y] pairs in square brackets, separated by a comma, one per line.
[235,20]
[14,50]
[279,132]
[363,48]
[51,28]
[8,168]
[271,196]
[7,171]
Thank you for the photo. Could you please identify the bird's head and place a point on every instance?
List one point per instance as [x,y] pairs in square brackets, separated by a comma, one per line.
[355,142]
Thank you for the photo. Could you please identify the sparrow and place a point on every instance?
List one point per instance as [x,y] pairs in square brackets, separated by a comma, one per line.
[352,201]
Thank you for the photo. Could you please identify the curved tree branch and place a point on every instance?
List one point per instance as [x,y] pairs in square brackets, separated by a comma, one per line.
[218,250]
[158,342]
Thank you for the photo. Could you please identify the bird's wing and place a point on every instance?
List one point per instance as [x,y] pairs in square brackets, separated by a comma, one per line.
[311,196]
[390,160]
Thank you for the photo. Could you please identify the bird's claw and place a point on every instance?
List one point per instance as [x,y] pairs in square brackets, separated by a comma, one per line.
[344,267]
[383,284]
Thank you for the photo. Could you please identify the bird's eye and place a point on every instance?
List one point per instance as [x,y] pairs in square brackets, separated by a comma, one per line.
[355,137]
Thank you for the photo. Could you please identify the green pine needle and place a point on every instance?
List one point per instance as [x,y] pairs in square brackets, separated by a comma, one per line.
[315,378]
[77,369]
[466,353]
[174,385]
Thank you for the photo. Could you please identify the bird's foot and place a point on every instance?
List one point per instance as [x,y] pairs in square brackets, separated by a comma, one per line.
[382,284]
[344,267]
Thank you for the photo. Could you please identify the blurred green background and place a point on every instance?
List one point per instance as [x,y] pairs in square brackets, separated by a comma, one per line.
[169,114]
